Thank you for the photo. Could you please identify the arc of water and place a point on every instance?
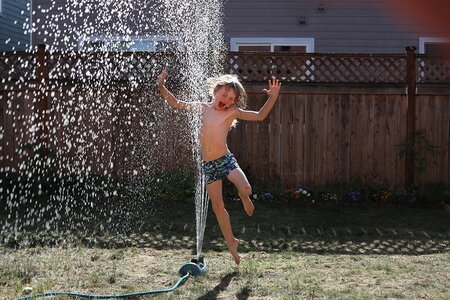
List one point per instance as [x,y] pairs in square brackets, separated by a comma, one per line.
[201,207]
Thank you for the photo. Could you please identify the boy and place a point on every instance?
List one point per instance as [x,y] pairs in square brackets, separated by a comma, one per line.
[218,116]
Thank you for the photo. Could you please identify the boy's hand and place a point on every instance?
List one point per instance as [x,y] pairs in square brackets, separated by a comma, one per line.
[161,77]
[274,88]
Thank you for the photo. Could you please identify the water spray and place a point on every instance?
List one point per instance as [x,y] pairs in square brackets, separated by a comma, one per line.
[197,24]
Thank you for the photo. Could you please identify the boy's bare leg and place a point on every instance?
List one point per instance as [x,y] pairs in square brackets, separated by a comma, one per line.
[223,218]
[238,178]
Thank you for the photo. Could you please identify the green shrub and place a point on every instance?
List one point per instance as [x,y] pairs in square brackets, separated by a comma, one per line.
[169,185]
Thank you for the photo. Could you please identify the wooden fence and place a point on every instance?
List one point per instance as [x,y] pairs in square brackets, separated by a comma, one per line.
[380,119]
[339,118]
[313,139]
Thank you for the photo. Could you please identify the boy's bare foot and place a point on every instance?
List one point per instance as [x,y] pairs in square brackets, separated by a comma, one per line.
[248,206]
[234,252]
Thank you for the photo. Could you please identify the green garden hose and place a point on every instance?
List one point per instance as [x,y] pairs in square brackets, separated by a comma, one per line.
[117,296]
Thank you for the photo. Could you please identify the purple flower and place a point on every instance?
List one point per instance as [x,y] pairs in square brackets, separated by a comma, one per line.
[354,196]
[266,197]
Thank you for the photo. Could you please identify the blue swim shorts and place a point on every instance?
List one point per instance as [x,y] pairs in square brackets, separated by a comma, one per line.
[219,168]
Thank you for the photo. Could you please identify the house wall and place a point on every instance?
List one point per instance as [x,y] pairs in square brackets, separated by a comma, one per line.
[64,23]
[14,14]
[339,26]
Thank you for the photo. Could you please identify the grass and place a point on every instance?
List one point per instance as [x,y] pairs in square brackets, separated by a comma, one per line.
[289,250]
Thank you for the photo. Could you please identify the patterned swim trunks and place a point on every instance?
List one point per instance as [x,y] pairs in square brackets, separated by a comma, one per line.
[219,168]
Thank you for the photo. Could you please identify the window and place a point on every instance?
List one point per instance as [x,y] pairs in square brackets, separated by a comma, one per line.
[433,45]
[128,43]
[1,7]
[289,45]
[432,69]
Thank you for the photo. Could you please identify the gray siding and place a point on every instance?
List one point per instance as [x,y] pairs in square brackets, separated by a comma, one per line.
[364,26]
[12,19]
[346,26]
[69,23]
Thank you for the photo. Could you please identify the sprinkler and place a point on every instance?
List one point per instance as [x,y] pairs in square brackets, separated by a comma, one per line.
[194,267]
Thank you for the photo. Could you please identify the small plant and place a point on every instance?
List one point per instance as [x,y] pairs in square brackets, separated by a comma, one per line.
[300,194]
[169,185]
[419,148]
[118,255]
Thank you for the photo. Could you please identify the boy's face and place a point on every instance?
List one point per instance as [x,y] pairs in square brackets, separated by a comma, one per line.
[224,98]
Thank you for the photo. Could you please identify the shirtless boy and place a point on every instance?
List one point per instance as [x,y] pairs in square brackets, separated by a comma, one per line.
[218,116]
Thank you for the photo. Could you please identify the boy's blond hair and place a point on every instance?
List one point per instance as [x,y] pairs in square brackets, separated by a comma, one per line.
[230,81]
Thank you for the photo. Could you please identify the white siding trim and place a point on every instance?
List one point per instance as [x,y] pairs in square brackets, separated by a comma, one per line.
[266,41]
[425,40]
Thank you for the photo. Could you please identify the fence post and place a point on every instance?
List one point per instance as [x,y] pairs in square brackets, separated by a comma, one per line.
[411,115]
[42,98]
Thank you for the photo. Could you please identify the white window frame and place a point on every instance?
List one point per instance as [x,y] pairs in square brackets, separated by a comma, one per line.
[430,40]
[1,7]
[272,42]
[151,40]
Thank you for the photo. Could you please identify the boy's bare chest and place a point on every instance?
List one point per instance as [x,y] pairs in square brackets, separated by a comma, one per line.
[213,118]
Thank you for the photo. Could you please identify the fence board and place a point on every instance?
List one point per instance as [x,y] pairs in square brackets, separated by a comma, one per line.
[241,145]
[252,142]
[431,135]
[391,138]
[421,126]
[332,133]
[443,126]
[379,138]
[3,104]
[356,137]
[310,133]
[344,139]
[439,109]
[57,140]
[274,142]
[322,118]
[286,142]
[8,131]
[402,122]
[263,146]
[108,135]
[120,132]
[298,139]
[17,112]
[368,138]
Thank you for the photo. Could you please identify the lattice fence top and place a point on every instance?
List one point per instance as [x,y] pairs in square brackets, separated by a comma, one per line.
[318,68]
[138,68]
[18,68]
[432,69]
[114,66]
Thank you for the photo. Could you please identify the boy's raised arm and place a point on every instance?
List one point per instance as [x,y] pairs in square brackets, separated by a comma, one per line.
[170,98]
[272,92]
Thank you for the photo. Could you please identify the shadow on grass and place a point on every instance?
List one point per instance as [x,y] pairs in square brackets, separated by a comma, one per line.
[243,294]
[275,227]
[222,286]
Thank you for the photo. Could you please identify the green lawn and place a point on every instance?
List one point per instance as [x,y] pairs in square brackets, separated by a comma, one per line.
[289,251]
